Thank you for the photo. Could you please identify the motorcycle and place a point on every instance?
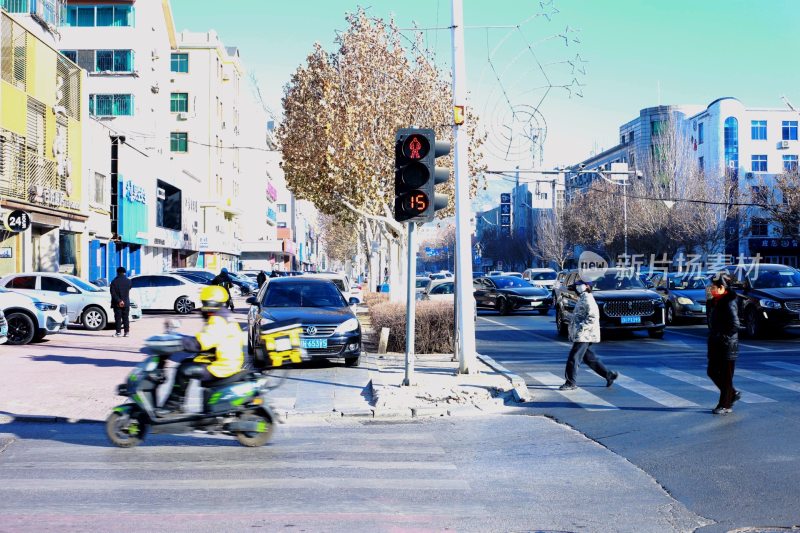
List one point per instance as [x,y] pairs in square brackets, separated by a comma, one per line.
[235,406]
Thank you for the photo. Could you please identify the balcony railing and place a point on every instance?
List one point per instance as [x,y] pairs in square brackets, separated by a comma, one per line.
[24,175]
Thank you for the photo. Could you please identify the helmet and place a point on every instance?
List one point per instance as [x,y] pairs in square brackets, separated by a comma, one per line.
[224,270]
[213,297]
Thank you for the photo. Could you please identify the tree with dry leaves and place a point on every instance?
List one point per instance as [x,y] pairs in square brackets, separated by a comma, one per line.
[551,245]
[341,112]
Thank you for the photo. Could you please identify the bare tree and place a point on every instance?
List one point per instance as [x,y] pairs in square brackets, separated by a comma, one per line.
[551,244]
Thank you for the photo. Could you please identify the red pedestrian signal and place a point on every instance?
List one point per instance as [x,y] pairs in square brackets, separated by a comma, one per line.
[416,175]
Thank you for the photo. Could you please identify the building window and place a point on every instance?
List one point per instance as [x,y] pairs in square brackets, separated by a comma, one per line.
[178,142]
[758,194]
[281,208]
[168,206]
[110,105]
[99,188]
[758,130]
[789,130]
[113,61]
[101,15]
[658,127]
[179,63]
[790,163]
[179,103]
[758,163]
[701,133]
[72,55]
[731,140]
[281,224]
[760,227]
[701,164]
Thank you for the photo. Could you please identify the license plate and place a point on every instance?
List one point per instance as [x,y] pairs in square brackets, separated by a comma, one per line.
[314,343]
[535,303]
[631,320]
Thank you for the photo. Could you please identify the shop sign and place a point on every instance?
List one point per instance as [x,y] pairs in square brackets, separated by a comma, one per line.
[135,193]
[17,221]
[289,247]
[159,242]
[272,192]
[774,244]
[203,243]
[51,197]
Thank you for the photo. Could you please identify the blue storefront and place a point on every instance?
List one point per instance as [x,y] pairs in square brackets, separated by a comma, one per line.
[131,234]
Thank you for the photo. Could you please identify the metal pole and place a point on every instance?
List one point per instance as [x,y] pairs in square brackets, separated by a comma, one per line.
[410,306]
[625,213]
[465,325]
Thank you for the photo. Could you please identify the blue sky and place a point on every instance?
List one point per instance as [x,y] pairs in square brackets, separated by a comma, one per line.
[695,50]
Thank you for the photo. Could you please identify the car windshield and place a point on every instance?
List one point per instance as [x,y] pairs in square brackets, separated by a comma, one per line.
[422,283]
[510,282]
[82,285]
[543,276]
[194,278]
[303,294]
[775,279]
[683,283]
[617,281]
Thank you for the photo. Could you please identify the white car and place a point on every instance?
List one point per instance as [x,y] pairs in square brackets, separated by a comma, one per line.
[541,277]
[166,292]
[340,280]
[443,290]
[31,318]
[87,304]
[3,328]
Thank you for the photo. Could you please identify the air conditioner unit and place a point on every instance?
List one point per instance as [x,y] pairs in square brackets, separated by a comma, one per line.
[748,175]
[161,194]
[183,116]
[784,144]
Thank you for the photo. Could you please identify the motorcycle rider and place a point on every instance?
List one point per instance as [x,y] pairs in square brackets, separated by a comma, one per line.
[219,345]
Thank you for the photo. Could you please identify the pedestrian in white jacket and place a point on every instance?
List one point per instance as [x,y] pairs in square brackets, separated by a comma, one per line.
[584,330]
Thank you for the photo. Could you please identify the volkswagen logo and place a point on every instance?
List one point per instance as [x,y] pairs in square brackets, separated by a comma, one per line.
[311,330]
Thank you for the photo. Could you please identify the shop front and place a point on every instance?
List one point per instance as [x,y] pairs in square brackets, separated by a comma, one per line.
[784,251]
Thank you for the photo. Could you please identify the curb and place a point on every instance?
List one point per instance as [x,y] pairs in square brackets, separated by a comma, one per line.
[45,419]
[521,392]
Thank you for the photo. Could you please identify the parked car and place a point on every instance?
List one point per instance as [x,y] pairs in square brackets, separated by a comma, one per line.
[31,318]
[241,285]
[330,327]
[768,297]
[623,300]
[444,290]
[438,275]
[684,294]
[540,277]
[3,328]
[166,292]
[506,294]
[341,281]
[495,273]
[421,285]
[87,304]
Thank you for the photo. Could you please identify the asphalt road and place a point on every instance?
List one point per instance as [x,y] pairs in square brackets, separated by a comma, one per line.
[740,470]
[504,473]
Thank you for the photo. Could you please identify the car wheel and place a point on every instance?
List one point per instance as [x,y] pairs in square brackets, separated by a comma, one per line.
[20,329]
[183,306]
[502,306]
[753,327]
[39,335]
[656,333]
[250,349]
[561,327]
[351,361]
[94,319]
[670,315]
[543,311]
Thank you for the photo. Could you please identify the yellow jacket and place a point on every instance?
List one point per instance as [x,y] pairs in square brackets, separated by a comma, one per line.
[225,338]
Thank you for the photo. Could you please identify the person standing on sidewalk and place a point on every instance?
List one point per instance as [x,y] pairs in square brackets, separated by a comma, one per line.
[120,289]
[261,278]
[584,330]
[723,343]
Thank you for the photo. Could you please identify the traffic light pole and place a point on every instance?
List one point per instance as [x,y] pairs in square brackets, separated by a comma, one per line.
[411,301]
[465,323]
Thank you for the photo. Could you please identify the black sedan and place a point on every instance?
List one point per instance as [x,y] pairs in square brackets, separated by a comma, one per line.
[203,277]
[506,294]
[684,295]
[330,327]
[769,297]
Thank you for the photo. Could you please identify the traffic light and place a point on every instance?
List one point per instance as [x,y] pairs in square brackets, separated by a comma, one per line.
[416,175]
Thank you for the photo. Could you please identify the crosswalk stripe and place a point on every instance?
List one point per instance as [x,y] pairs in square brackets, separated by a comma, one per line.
[579,396]
[653,393]
[766,378]
[315,483]
[227,465]
[784,366]
[704,383]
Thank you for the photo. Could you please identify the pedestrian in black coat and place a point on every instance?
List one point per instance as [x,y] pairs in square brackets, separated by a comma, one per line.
[261,278]
[223,279]
[723,343]
[120,290]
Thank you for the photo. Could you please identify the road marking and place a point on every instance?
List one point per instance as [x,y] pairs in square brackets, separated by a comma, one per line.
[585,399]
[226,465]
[704,383]
[766,378]
[284,448]
[751,346]
[526,332]
[653,393]
[313,483]
[784,366]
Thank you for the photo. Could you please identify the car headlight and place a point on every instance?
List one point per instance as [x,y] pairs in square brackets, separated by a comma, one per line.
[685,301]
[658,302]
[43,306]
[769,304]
[351,324]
